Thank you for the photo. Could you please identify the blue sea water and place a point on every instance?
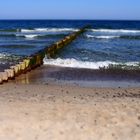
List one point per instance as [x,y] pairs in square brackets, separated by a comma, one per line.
[106,43]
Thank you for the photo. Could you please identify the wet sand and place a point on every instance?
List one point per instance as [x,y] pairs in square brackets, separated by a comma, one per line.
[81,77]
[34,108]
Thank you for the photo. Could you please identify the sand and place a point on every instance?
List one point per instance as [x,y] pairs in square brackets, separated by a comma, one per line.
[68,112]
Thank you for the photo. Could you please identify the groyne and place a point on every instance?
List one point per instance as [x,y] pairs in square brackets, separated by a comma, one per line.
[36,59]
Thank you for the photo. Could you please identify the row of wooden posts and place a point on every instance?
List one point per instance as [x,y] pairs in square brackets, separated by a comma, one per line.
[36,60]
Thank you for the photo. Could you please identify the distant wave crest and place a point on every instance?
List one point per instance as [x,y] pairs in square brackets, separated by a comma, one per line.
[135,37]
[38,36]
[49,30]
[115,30]
[30,36]
[102,37]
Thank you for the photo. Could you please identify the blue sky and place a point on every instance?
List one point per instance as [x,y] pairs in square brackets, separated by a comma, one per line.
[70,9]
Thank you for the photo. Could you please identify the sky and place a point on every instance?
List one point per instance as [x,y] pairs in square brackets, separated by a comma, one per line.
[70,9]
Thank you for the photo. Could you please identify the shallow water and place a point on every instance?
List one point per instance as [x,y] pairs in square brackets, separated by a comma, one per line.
[81,77]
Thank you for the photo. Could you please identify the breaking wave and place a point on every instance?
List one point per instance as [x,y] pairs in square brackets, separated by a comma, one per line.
[102,37]
[137,37]
[32,36]
[49,30]
[73,63]
[115,30]
[69,30]
[2,55]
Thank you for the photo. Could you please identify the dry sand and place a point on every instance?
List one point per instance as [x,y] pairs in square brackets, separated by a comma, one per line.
[62,112]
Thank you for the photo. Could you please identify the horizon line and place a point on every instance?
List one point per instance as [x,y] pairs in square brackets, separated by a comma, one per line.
[76,19]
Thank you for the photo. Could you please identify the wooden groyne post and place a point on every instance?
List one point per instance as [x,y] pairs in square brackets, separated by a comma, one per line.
[36,60]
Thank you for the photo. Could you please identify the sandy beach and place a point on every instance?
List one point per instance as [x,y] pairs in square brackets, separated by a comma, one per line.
[60,112]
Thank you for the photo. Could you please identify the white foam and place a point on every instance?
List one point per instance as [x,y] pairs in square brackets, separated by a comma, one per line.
[2,55]
[102,37]
[115,30]
[55,29]
[73,63]
[26,30]
[49,30]
[132,63]
[31,36]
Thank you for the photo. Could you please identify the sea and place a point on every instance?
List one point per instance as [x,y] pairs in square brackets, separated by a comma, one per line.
[106,44]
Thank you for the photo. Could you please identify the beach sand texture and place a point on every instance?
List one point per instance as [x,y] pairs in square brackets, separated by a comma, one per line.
[60,112]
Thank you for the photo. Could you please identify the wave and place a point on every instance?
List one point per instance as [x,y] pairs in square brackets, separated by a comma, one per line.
[10,58]
[30,36]
[69,30]
[49,30]
[102,37]
[112,37]
[73,63]
[115,30]
[27,30]
[39,36]
[2,55]
[56,29]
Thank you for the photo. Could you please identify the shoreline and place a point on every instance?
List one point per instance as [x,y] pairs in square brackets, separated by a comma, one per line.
[80,77]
